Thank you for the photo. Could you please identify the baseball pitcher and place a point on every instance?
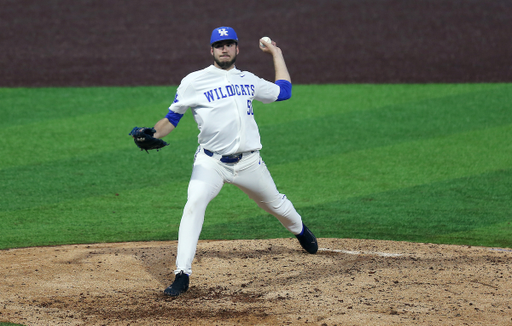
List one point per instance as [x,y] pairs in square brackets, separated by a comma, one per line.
[220,98]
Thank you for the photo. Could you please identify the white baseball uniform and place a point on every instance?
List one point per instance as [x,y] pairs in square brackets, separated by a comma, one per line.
[221,102]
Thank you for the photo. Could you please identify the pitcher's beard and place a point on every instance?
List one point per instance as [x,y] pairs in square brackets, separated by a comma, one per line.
[225,64]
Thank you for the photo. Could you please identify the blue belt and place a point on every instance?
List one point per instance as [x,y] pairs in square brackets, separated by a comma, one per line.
[226,158]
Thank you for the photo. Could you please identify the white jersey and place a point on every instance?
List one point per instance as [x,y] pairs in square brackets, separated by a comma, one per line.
[221,102]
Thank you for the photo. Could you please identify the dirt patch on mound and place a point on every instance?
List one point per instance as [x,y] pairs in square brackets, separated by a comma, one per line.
[259,282]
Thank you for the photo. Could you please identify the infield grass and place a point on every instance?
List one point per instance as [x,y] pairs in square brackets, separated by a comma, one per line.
[423,163]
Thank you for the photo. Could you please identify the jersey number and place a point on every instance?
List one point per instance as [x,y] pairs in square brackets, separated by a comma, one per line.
[249,106]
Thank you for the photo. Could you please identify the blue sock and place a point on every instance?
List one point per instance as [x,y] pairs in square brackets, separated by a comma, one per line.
[301,232]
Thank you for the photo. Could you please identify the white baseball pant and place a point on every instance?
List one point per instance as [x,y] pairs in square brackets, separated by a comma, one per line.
[251,175]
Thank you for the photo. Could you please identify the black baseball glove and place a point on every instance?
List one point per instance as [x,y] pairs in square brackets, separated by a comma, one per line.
[143,138]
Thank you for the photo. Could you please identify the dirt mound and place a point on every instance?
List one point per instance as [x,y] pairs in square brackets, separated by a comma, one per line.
[259,282]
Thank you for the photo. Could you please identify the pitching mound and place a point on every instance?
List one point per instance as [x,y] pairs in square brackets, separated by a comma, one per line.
[259,282]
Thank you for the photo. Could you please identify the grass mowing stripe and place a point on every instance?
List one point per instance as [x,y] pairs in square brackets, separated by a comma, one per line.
[145,213]
[95,175]
[89,134]
[135,215]
[471,210]
[397,166]
[356,130]
[318,101]
[138,214]
[22,106]
[493,235]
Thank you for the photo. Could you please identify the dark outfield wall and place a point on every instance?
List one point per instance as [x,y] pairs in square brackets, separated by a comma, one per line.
[157,42]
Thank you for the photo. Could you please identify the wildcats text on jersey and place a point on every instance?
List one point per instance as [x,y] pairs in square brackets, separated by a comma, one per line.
[228,91]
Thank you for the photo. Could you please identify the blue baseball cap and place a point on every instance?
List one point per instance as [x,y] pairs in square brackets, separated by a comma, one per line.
[222,34]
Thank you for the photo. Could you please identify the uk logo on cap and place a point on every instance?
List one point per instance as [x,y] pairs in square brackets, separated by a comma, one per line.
[222,34]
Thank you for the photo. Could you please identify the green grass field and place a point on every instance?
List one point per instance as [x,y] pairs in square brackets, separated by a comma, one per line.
[424,163]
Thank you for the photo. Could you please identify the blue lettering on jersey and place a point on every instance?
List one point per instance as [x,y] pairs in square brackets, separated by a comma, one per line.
[209,95]
[222,94]
[228,91]
[248,87]
[175,98]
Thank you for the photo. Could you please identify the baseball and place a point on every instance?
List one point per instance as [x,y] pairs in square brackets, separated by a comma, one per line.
[266,39]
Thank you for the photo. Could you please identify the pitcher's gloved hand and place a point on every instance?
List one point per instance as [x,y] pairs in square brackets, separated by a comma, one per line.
[143,138]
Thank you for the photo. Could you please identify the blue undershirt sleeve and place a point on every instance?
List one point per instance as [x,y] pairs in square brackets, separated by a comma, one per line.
[286,89]
[174,117]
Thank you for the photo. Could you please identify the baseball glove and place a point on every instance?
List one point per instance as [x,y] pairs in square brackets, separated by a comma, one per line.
[143,138]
